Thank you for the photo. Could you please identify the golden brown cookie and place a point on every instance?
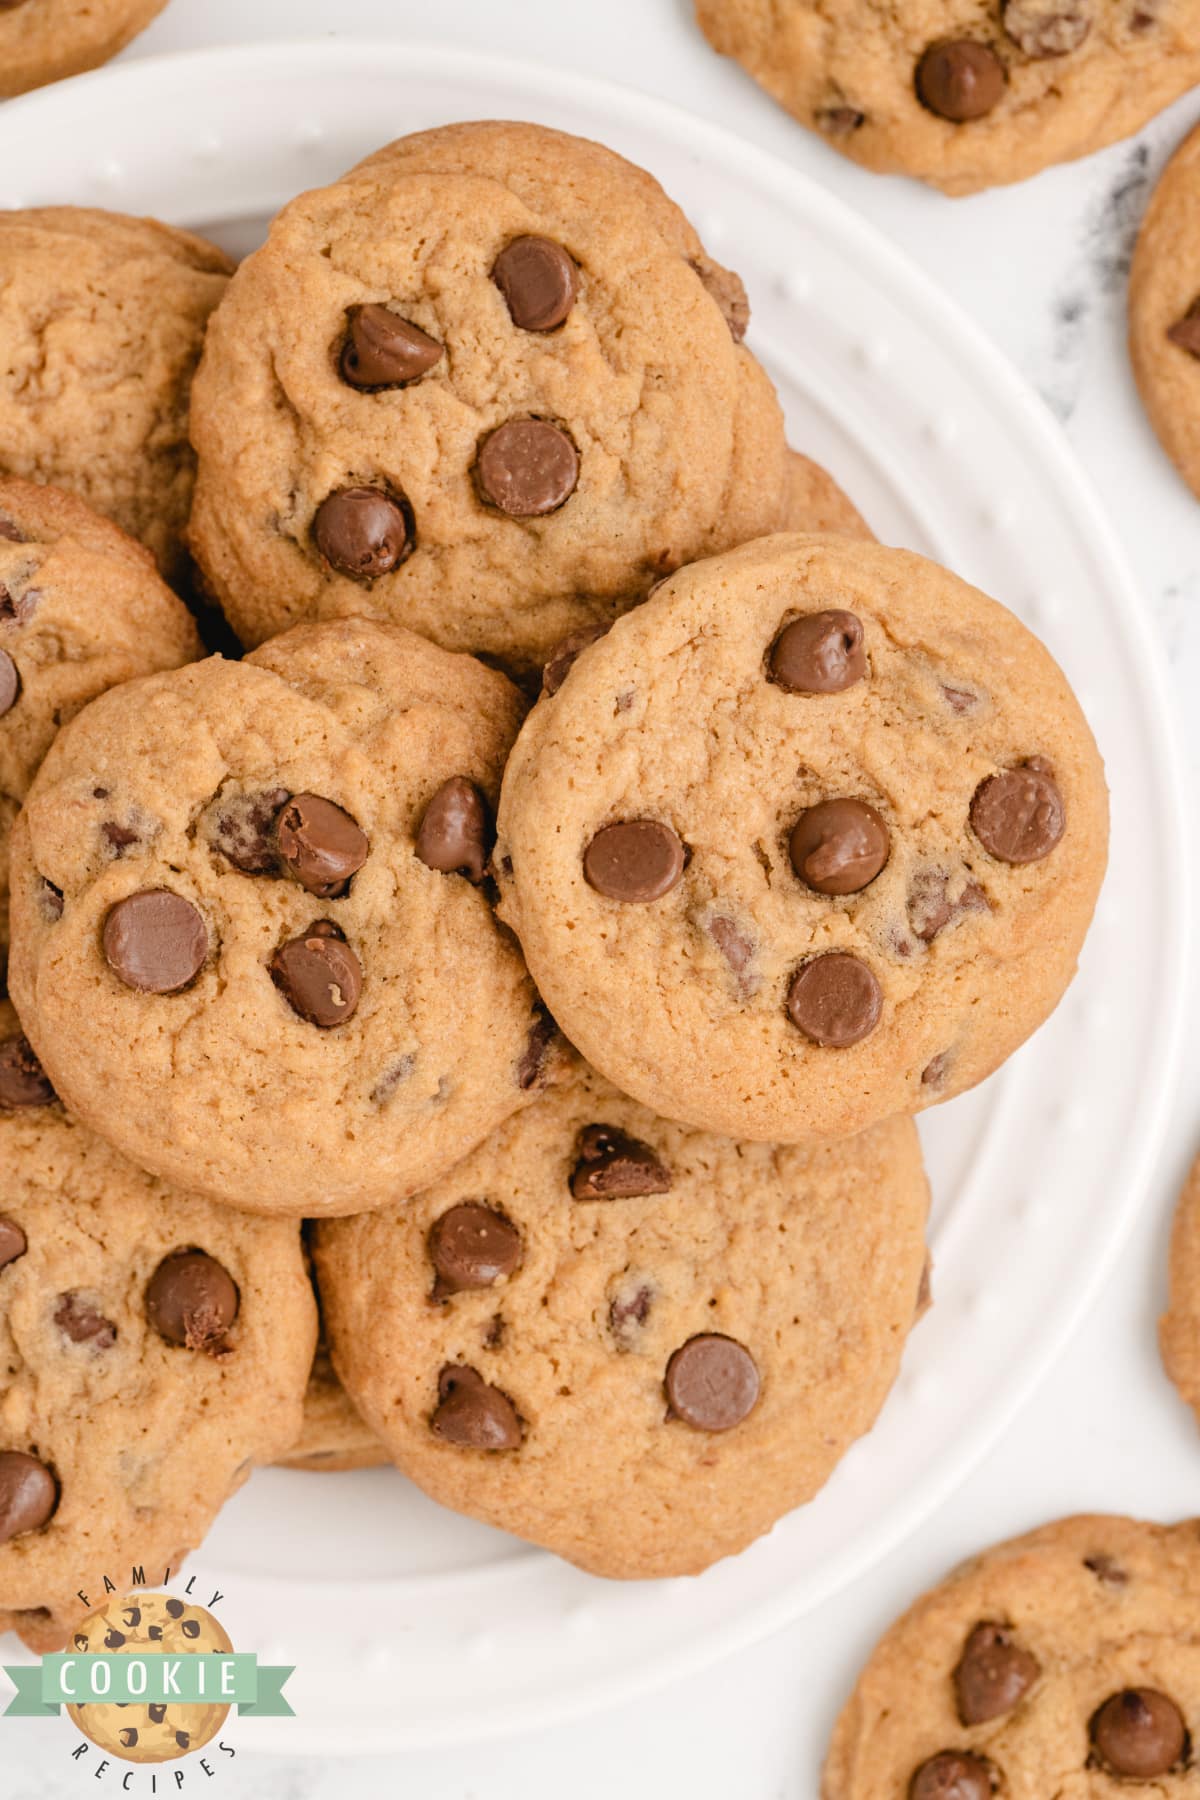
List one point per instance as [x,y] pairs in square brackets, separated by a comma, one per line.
[810,838]
[1179,1329]
[332,1434]
[101,321]
[1164,310]
[634,1344]
[1060,1666]
[488,386]
[45,40]
[965,95]
[153,1348]
[815,502]
[253,936]
[81,610]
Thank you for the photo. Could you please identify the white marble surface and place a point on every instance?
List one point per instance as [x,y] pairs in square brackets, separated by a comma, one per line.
[1041,267]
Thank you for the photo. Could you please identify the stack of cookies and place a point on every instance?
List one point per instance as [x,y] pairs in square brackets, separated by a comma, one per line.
[541,939]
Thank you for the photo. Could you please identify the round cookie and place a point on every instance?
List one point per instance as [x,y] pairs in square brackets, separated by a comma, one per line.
[633,1344]
[153,1347]
[811,838]
[1179,1329]
[332,1435]
[81,610]
[101,321]
[967,95]
[289,990]
[488,386]
[1164,310]
[1063,1663]
[45,40]
[150,1624]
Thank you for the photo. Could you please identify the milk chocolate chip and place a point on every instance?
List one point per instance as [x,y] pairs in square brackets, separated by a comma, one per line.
[319,976]
[542,1034]
[1043,28]
[320,845]
[84,1323]
[537,279]
[835,1000]
[472,1414]
[953,1775]
[383,350]
[728,290]
[10,683]
[527,468]
[636,861]
[23,1081]
[243,830]
[960,79]
[13,1242]
[821,653]
[1018,816]
[614,1166]
[712,1383]
[28,1494]
[839,846]
[361,532]
[472,1246]
[1138,1734]
[191,1299]
[1186,331]
[562,660]
[994,1672]
[455,832]
[156,941]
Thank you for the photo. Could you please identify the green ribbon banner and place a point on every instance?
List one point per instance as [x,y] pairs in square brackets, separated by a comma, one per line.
[159,1678]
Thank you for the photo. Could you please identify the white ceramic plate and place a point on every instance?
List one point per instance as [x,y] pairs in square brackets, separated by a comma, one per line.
[409,1626]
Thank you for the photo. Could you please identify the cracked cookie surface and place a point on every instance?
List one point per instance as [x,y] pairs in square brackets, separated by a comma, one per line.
[276,975]
[811,838]
[631,1343]
[1063,1663]
[967,95]
[489,386]
[101,321]
[138,1385]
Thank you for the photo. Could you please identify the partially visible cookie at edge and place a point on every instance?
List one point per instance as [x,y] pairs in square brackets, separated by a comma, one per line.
[46,40]
[1179,1328]
[333,1437]
[1164,310]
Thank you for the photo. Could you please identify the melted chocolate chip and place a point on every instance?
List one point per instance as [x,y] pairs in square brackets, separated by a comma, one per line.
[320,845]
[634,861]
[729,292]
[835,1000]
[953,1775]
[734,945]
[8,529]
[821,653]
[930,908]
[712,1383]
[1185,332]
[362,532]
[383,350]
[1047,27]
[538,281]
[472,1414]
[839,846]
[119,837]
[614,1166]
[1107,1569]
[1018,816]
[629,1310]
[933,1075]
[13,1242]
[472,1246]
[1139,1734]
[994,1673]
[537,1048]
[191,1300]
[155,941]
[10,683]
[320,978]
[527,468]
[28,1494]
[243,829]
[563,659]
[18,609]
[960,79]
[455,832]
[23,1081]
[84,1323]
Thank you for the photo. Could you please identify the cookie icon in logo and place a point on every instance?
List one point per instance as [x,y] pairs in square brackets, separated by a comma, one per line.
[140,1624]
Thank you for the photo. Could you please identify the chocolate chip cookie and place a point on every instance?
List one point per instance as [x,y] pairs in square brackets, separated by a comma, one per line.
[140,1624]
[253,937]
[45,40]
[81,610]
[101,322]
[811,838]
[631,1343]
[1179,1331]
[967,95]
[332,1434]
[153,1347]
[489,386]
[1164,310]
[1061,1664]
